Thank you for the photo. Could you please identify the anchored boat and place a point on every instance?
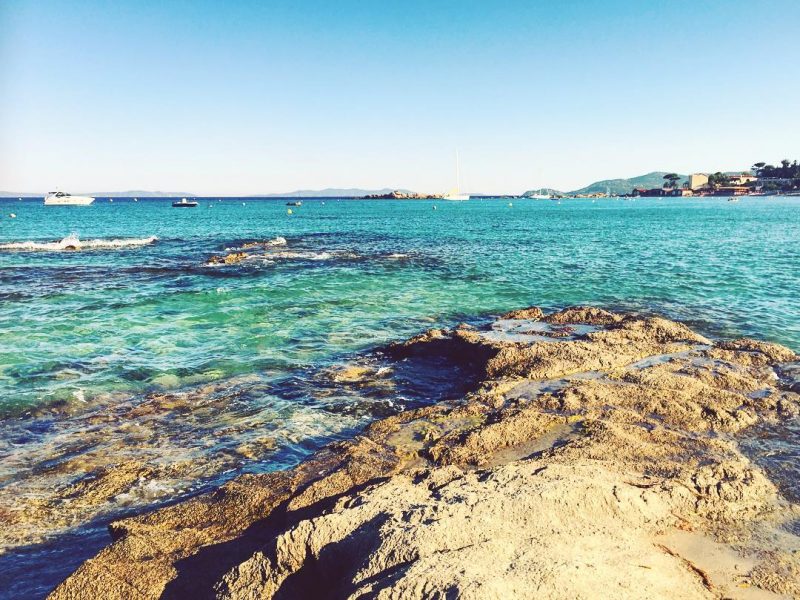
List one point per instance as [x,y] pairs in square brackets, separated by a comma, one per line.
[184,203]
[455,194]
[65,199]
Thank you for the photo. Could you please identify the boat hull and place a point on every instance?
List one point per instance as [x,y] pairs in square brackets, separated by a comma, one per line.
[456,197]
[69,201]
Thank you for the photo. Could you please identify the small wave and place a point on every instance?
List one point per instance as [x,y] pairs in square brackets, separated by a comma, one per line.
[303,255]
[273,243]
[72,242]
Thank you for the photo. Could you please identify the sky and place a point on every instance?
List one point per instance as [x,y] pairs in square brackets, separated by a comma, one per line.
[247,97]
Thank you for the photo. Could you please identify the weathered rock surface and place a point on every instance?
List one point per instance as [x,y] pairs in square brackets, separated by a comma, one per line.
[577,468]
[533,313]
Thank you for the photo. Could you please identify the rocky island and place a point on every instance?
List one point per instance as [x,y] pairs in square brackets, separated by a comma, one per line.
[401,195]
[597,455]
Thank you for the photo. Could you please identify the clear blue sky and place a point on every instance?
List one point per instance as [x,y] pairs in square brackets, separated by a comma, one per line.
[249,97]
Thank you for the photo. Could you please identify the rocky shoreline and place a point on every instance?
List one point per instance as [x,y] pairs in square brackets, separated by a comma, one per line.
[597,456]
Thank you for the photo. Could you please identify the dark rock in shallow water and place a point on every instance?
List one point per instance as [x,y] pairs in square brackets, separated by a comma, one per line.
[229,259]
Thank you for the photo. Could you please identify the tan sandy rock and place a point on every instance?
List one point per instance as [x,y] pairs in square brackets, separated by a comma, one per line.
[574,467]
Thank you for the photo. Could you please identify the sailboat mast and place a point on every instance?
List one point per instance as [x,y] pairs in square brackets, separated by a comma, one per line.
[458,176]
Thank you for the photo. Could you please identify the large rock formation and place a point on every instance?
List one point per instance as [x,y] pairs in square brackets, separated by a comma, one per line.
[600,462]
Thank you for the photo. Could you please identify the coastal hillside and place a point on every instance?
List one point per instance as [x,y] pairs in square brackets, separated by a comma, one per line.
[624,186]
[615,187]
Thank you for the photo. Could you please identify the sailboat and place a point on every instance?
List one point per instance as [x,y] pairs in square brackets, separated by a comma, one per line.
[455,194]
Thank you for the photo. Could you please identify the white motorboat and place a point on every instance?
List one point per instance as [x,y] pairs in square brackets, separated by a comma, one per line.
[65,199]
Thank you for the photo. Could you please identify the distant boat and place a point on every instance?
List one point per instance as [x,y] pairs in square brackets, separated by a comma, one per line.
[65,199]
[455,194]
[298,203]
[184,203]
[541,195]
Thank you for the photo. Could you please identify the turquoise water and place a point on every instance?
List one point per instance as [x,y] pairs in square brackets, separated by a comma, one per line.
[93,339]
[153,317]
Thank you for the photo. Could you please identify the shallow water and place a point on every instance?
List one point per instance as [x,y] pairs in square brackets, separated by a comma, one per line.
[356,273]
[248,354]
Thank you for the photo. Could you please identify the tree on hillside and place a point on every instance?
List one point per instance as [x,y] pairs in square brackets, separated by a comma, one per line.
[717,179]
[787,170]
[671,179]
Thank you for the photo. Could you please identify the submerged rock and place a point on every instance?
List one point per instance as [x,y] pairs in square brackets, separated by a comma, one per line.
[575,465]
[229,259]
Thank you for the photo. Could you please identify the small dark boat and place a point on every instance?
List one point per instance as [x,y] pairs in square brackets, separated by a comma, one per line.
[184,203]
[298,203]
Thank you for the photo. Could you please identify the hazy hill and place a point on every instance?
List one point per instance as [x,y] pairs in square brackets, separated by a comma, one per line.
[549,191]
[328,193]
[615,187]
[141,194]
[128,194]
[20,195]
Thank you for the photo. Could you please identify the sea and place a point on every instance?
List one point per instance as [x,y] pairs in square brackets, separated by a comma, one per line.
[125,345]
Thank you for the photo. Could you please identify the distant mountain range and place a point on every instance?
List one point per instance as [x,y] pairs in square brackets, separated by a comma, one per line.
[141,194]
[128,194]
[328,193]
[617,187]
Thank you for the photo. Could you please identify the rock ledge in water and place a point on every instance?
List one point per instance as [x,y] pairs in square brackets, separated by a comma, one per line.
[598,463]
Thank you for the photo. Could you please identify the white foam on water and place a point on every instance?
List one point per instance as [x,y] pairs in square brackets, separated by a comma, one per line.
[278,241]
[73,242]
[303,255]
